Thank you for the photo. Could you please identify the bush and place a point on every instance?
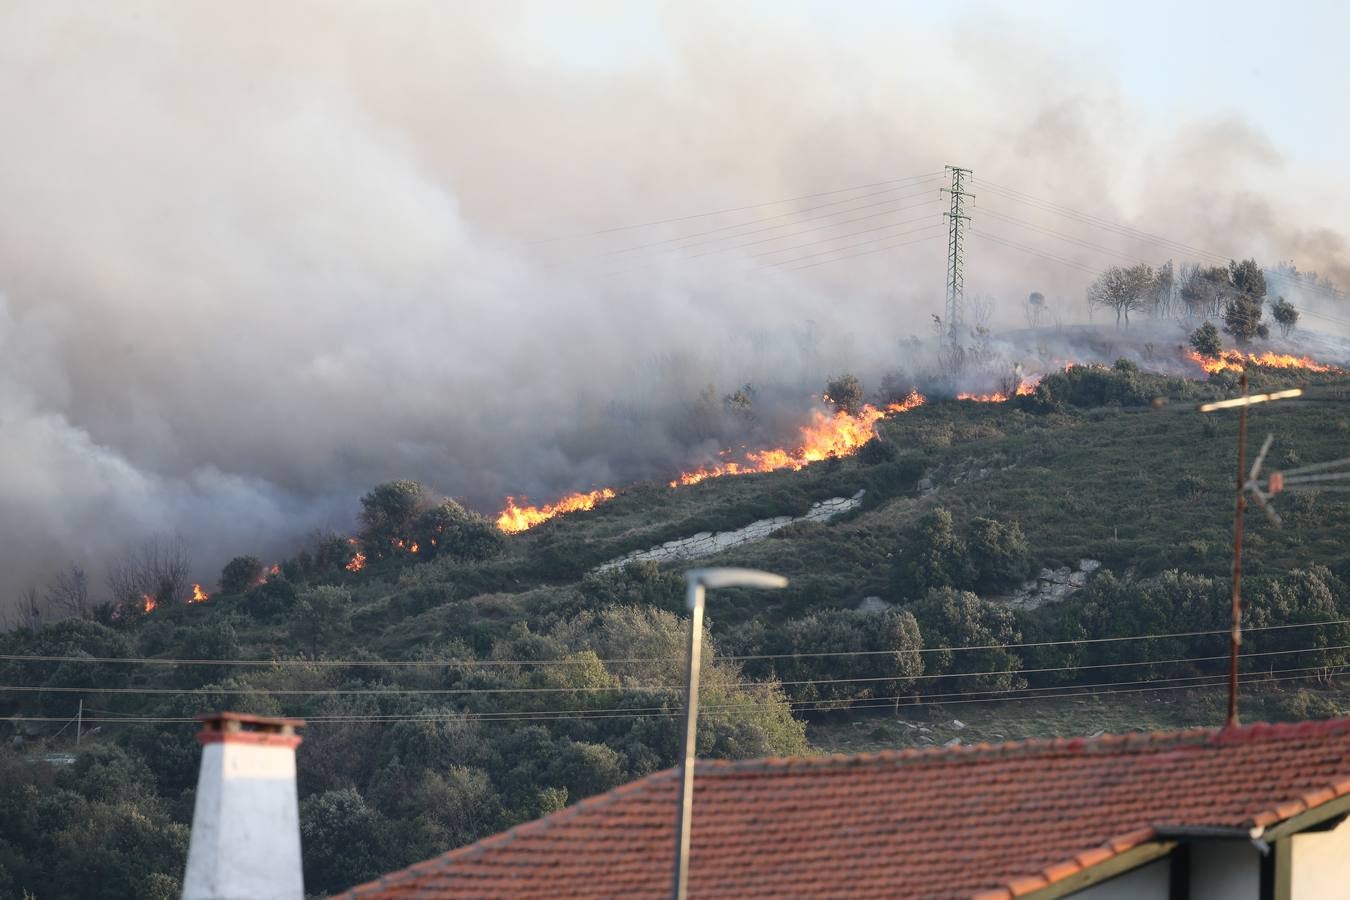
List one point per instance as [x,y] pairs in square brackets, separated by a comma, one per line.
[450,529]
[999,554]
[388,513]
[240,574]
[846,393]
[1205,341]
[871,645]
[320,615]
[877,451]
[951,618]
[938,559]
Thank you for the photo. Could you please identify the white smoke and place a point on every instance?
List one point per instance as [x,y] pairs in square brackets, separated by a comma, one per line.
[258,257]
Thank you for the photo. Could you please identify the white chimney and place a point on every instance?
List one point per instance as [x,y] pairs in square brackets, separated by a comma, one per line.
[246,826]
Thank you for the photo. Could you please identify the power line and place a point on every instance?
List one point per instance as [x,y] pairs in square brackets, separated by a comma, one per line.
[788,263]
[1064,237]
[485,663]
[719,212]
[1035,252]
[1087,218]
[837,237]
[1139,234]
[989,696]
[794,215]
[863,253]
[656,688]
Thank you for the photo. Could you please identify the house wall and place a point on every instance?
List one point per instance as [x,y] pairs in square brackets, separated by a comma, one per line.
[1321,863]
[1148,882]
[1225,870]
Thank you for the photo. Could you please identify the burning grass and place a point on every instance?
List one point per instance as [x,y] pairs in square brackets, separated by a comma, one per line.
[826,436]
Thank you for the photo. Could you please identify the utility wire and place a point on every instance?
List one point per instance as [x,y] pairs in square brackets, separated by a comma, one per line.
[1139,234]
[719,212]
[1034,252]
[1162,684]
[485,663]
[638,688]
[794,215]
[1063,237]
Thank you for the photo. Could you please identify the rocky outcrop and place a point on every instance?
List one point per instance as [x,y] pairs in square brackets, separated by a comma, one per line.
[1052,585]
[706,543]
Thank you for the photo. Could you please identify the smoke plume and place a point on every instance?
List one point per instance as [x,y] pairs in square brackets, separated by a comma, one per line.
[257,257]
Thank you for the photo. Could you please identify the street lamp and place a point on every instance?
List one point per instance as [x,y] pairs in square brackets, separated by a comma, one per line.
[699,580]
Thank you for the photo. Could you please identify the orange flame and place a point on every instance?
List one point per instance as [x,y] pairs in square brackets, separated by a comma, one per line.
[983,398]
[1027,386]
[199,595]
[148,602]
[517,518]
[838,435]
[357,562]
[1236,359]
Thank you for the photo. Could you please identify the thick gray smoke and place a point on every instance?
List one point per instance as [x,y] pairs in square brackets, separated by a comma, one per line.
[256,257]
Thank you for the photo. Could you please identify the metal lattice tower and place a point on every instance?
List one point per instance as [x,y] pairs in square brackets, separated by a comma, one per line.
[956,277]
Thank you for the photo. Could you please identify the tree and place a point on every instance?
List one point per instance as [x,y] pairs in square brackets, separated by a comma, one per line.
[320,615]
[344,840]
[950,618]
[1205,341]
[449,529]
[1246,294]
[846,393]
[999,554]
[1165,291]
[388,513]
[240,574]
[1247,278]
[69,592]
[938,559]
[1285,314]
[1242,319]
[157,570]
[1203,290]
[1124,290]
[870,645]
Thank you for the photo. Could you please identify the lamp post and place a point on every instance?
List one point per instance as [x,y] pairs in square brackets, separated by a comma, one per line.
[699,580]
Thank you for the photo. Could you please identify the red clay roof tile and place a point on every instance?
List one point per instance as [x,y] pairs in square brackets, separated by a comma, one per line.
[990,822]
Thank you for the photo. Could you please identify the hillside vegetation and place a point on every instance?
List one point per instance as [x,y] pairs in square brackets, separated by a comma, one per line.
[504,678]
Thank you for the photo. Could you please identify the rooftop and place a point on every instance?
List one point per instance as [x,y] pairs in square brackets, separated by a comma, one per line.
[993,821]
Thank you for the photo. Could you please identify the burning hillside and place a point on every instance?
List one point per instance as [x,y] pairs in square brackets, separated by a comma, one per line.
[516,518]
[838,435]
[1237,360]
[842,434]
[826,436]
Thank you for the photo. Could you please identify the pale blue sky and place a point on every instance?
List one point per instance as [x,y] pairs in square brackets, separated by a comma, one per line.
[1281,67]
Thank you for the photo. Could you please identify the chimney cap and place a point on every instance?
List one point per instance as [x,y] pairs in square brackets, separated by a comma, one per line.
[247,727]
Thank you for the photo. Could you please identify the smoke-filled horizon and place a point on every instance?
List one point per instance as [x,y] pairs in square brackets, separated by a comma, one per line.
[255,258]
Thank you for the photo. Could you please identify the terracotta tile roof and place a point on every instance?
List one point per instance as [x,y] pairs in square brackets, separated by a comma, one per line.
[990,821]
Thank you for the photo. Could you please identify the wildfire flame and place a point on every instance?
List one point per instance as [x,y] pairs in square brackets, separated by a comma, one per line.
[199,595]
[1025,388]
[357,562]
[1236,359]
[147,602]
[516,518]
[838,435]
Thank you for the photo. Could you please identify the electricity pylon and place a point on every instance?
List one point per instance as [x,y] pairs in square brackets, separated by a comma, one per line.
[956,276]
